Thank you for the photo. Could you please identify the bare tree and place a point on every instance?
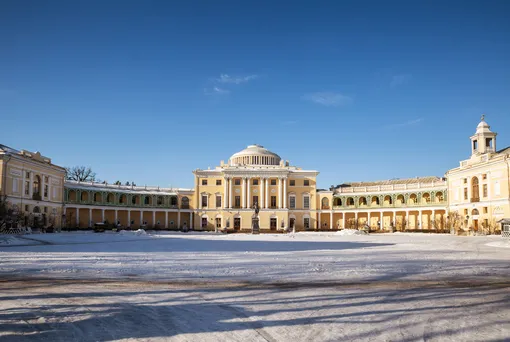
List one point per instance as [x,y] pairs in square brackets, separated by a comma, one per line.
[80,174]
[455,220]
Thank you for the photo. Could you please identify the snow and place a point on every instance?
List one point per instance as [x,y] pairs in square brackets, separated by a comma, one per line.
[243,287]
[351,232]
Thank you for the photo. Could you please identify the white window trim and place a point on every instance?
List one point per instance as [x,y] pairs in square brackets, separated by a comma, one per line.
[306,194]
[291,196]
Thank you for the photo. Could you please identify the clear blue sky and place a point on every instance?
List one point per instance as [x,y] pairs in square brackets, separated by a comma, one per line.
[147,91]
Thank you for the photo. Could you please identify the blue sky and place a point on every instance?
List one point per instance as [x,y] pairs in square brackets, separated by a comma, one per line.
[147,91]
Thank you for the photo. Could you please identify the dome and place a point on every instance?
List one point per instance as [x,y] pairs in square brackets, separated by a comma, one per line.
[255,155]
[483,127]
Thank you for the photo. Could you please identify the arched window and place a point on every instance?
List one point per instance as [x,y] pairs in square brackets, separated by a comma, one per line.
[475,190]
[134,200]
[185,203]
[350,201]
[325,203]
[388,200]
[109,198]
[413,199]
[71,195]
[362,201]
[439,197]
[160,200]
[36,186]
[400,199]
[84,196]
[173,200]
[147,200]
[375,200]
[425,198]
[337,201]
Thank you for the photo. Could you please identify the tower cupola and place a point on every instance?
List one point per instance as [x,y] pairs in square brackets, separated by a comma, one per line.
[484,140]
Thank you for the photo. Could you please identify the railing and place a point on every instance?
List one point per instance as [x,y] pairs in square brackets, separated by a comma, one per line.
[392,187]
[395,205]
[325,207]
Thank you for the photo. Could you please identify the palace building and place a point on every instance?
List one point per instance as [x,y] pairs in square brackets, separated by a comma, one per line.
[475,195]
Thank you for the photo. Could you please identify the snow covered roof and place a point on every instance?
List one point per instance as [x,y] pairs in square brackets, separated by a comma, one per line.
[142,190]
[428,179]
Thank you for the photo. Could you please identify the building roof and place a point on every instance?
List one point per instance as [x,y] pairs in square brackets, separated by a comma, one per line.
[143,190]
[254,151]
[7,149]
[428,179]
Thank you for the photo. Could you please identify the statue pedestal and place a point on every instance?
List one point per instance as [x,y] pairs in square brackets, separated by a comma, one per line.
[255,229]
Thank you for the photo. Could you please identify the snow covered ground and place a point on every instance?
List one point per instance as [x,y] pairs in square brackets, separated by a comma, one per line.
[215,287]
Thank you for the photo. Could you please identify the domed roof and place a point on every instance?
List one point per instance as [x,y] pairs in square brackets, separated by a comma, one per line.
[255,155]
[483,127]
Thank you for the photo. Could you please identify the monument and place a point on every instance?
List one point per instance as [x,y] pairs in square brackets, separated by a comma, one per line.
[255,229]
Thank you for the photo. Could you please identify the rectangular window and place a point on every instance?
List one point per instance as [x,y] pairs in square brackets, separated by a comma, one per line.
[218,222]
[45,191]
[15,185]
[273,201]
[204,222]
[204,181]
[306,223]
[218,182]
[306,182]
[237,223]
[306,202]
[255,182]
[237,202]
[255,200]
[46,179]
[26,208]
[485,190]
[272,223]
[273,181]
[237,181]
[465,180]
[484,176]
[465,211]
[45,209]
[292,202]
[292,182]
[485,210]
[218,201]
[27,188]
[204,201]
[465,193]
[27,174]
[54,193]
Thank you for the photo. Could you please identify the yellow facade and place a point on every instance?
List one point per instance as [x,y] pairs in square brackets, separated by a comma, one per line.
[474,196]
[479,189]
[32,186]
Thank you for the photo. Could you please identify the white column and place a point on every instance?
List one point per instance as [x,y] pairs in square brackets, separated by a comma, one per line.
[102,215]
[420,220]
[116,216]
[433,221]
[141,217]
[178,219]
[382,221]
[78,217]
[266,200]
[31,185]
[356,219]
[153,218]
[261,197]
[225,194]
[343,220]
[191,220]
[230,193]
[42,187]
[407,220]
[248,194]
[128,224]
[243,194]
[369,218]
[166,219]
[331,220]
[90,216]
[285,193]
[394,221]
[279,193]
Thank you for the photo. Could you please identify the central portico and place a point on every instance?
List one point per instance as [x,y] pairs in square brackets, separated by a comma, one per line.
[225,195]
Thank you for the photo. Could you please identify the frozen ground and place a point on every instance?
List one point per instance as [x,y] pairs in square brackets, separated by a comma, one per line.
[209,287]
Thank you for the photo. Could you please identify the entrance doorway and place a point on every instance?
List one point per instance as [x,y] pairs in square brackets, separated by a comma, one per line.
[292,222]
[272,223]
[237,223]
[475,225]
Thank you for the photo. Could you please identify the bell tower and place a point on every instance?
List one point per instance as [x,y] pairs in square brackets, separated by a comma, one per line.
[484,140]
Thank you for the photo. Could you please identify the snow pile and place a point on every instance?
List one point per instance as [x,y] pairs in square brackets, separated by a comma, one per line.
[502,244]
[136,232]
[351,232]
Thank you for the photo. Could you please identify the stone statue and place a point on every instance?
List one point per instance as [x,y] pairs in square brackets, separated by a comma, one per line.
[255,229]
[256,208]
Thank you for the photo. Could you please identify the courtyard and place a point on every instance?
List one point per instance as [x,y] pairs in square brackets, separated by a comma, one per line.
[285,287]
